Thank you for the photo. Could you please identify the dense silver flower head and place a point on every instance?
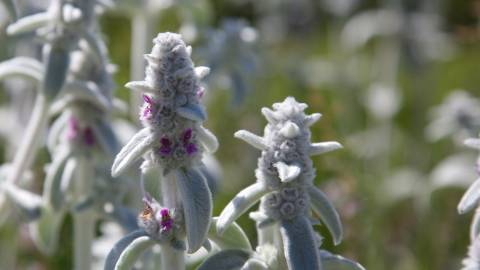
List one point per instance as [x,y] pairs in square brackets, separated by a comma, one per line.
[173,136]
[285,183]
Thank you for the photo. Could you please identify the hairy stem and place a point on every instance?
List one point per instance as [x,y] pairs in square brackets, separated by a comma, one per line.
[142,28]
[84,221]
[171,258]
[29,145]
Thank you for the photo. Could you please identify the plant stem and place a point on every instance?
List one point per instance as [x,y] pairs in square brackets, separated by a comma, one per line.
[28,146]
[84,221]
[142,26]
[172,259]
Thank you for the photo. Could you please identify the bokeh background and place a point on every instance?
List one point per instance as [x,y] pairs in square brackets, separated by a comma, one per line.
[397,82]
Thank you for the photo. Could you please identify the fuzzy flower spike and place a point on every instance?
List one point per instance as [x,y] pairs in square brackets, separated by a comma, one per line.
[285,184]
[173,138]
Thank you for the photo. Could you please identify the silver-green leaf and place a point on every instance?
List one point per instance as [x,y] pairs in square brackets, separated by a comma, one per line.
[230,259]
[197,206]
[299,244]
[326,211]
[470,199]
[133,150]
[238,205]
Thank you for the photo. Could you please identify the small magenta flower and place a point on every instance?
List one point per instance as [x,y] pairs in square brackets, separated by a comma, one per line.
[147,112]
[73,128]
[165,146]
[88,136]
[166,222]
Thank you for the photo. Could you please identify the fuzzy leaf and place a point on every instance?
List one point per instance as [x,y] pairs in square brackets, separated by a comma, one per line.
[470,199]
[238,205]
[208,140]
[231,259]
[473,143]
[141,86]
[28,203]
[254,264]
[299,244]
[312,118]
[22,66]
[11,7]
[88,92]
[46,230]
[132,252]
[269,115]
[94,45]
[287,173]
[53,194]
[56,129]
[323,147]
[232,237]
[475,226]
[117,250]
[326,211]
[290,130]
[337,262]
[29,23]
[194,112]
[197,206]
[252,139]
[133,150]
[201,72]
[57,62]
[106,137]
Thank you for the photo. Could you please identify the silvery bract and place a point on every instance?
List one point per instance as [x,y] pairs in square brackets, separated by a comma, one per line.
[173,138]
[285,184]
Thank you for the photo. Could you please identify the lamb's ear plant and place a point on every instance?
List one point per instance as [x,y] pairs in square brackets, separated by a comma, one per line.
[172,141]
[75,82]
[287,198]
[469,201]
[61,28]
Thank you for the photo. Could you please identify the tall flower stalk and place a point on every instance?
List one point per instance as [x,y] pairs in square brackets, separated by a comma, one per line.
[62,26]
[173,141]
[287,197]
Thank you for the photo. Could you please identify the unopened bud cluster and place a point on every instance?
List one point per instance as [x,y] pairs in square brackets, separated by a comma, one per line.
[159,223]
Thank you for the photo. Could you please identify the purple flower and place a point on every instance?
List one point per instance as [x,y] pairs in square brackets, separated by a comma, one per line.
[200,92]
[166,146]
[73,128]
[191,148]
[187,135]
[166,223]
[88,136]
[148,111]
